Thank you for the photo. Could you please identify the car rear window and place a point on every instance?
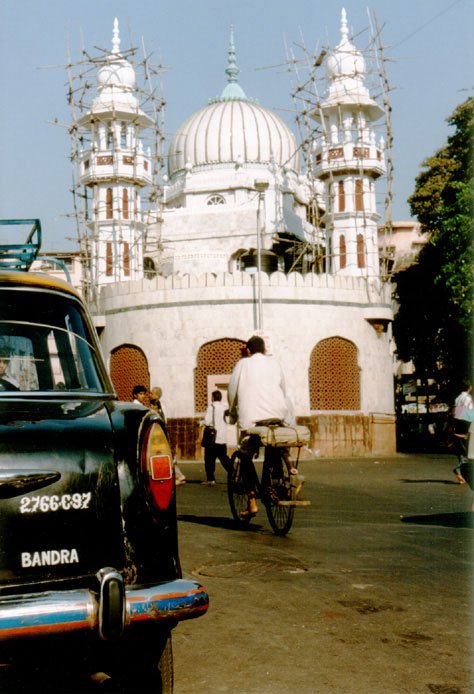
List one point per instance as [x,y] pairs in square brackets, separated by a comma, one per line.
[45,344]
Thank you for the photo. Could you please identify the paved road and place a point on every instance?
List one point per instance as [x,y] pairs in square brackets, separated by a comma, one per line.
[370,593]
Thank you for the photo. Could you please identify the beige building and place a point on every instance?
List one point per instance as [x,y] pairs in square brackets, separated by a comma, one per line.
[400,246]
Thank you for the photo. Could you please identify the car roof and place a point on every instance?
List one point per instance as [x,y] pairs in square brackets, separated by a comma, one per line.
[39,280]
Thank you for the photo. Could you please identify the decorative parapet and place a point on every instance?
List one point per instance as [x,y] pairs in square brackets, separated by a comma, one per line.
[348,157]
[236,279]
[276,286]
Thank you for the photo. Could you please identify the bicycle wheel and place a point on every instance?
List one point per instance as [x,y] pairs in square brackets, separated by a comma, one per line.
[238,498]
[279,492]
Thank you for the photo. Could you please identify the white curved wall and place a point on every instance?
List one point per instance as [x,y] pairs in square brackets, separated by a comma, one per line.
[171,318]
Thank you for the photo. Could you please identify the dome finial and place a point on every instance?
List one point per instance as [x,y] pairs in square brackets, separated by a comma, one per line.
[116,37]
[232,90]
[232,70]
[344,29]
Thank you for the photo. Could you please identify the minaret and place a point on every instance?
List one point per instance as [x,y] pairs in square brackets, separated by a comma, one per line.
[116,169]
[348,160]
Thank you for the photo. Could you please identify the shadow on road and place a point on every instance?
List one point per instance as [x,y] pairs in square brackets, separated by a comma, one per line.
[450,520]
[218,522]
[429,482]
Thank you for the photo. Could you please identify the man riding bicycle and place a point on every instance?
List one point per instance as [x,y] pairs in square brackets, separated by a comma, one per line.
[256,393]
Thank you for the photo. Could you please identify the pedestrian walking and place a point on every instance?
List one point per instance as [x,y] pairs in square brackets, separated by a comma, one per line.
[218,448]
[463,416]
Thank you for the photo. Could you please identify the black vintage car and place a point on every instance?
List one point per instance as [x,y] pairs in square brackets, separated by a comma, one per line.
[90,577]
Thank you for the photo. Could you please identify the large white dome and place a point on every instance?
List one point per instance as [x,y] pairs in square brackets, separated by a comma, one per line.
[232,129]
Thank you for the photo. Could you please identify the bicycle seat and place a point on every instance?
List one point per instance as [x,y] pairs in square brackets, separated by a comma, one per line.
[269,423]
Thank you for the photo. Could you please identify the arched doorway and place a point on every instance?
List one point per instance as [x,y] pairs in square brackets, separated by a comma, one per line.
[128,368]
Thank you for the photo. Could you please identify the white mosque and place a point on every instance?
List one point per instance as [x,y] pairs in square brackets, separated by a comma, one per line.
[239,252]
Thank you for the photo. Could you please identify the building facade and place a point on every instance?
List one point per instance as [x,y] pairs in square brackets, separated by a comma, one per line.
[236,253]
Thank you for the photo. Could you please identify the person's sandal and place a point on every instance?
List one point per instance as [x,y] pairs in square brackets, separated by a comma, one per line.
[248,514]
[252,509]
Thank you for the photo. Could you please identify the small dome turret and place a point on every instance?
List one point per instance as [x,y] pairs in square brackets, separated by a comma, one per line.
[117,72]
[116,85]
[345,71]
[345,60]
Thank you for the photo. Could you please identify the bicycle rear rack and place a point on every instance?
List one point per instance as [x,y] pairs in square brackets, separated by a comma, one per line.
[296,502]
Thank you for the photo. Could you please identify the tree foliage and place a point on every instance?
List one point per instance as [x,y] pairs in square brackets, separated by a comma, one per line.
[434,324]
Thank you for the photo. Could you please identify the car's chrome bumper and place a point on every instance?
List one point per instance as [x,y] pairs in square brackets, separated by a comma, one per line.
[56,612]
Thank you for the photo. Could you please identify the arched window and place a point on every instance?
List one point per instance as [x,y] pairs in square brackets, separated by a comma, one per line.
[342,252]
[359,197]
[360,251]
[109,204]
[126,259]
[341,196]
[216,200]
[217,357]
[125,204]
[334,376]
[109,259]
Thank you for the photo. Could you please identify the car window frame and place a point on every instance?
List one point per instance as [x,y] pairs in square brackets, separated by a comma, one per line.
[93,343]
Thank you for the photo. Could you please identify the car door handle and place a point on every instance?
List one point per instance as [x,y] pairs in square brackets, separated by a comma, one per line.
[16,482]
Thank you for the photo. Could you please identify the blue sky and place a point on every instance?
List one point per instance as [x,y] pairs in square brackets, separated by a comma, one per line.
[429,44]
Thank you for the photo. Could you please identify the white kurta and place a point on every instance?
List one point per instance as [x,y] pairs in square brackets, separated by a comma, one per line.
[257,391]
[215,418]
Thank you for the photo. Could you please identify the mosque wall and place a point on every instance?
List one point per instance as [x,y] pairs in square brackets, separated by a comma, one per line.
[236,226]
[171,318]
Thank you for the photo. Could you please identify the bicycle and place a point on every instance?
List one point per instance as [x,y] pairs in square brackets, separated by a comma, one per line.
[279,484]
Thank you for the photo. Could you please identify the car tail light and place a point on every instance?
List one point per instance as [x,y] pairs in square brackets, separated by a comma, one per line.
[157,461]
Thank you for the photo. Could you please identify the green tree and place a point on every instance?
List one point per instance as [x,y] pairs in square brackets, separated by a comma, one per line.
[433,327]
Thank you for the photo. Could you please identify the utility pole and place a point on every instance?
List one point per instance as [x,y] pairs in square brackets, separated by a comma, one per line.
[260,187]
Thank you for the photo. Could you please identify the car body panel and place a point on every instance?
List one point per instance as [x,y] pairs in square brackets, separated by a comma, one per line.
[73,525]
